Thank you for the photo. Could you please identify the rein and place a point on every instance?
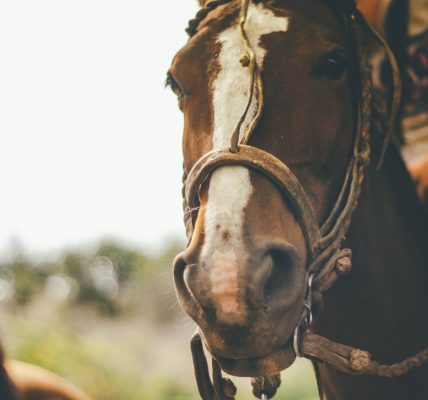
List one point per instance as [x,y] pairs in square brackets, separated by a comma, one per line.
[327,260]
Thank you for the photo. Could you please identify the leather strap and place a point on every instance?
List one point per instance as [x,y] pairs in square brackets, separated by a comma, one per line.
[221,388]
[271,167]
[356,361]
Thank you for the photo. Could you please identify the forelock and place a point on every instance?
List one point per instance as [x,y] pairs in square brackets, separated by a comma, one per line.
[207,7]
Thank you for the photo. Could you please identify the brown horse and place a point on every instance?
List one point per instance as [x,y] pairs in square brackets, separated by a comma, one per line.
[283,77]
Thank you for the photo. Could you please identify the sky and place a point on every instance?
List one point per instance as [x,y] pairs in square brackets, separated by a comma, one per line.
[90,140]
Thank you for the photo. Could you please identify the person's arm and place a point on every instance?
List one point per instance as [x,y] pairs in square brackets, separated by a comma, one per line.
[419,172]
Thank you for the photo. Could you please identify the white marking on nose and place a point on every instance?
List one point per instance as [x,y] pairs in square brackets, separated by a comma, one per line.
[224,280]
[230,187]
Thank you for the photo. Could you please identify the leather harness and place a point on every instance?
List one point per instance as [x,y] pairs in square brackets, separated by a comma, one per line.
[327,260]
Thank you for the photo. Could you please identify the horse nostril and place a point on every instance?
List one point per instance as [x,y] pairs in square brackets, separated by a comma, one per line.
[185,295]
[281,283]
[280,273]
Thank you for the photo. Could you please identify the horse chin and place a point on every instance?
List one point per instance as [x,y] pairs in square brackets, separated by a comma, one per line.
[259,366]
[261,346]
[248,363]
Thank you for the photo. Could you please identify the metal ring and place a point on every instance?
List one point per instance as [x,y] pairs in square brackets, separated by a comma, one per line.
[310,281]
[306,318]
[311,318]
[296,344]
[308,303]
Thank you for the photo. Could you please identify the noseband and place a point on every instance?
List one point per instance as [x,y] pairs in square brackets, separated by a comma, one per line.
[327,260]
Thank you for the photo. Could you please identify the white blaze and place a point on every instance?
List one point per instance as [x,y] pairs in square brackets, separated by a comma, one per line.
[230,187]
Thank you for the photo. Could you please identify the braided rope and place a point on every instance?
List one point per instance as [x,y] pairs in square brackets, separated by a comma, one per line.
[401,368]
[356,361]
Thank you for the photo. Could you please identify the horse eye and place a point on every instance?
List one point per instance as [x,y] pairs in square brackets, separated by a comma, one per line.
[174,85]
[333,66]
[176,88]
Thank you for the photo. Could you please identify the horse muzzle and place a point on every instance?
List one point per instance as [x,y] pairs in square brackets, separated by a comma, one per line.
[246,312]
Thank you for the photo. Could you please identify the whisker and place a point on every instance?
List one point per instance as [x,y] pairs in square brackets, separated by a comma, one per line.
[190,210]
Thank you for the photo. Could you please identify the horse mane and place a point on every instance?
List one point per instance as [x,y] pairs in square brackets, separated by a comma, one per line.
[207,7]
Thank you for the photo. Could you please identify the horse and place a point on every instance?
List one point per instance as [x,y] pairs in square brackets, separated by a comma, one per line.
[23,381]
[289,180]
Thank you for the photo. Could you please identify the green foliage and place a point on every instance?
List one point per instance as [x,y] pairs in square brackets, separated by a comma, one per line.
[26,278]
[109,370]
[27,283]
[103,369]
[113,278]
[127,261]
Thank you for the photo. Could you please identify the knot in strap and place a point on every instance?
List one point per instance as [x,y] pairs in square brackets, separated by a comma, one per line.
[343,265]
[338,264]
[359,360]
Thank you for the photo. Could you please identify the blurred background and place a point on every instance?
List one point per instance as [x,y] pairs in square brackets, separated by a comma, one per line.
[90,205]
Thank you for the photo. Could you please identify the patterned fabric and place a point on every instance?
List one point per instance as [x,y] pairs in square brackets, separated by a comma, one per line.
[418,16]
[416,80]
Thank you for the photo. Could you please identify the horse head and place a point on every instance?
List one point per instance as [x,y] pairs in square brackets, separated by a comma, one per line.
[270,92]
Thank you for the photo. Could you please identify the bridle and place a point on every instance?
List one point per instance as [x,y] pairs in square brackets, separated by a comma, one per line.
[327,260]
